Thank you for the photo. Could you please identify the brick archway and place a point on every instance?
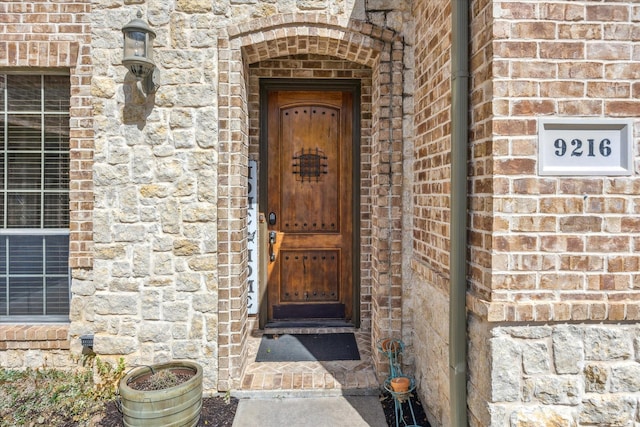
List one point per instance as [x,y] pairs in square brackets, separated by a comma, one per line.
[291,34]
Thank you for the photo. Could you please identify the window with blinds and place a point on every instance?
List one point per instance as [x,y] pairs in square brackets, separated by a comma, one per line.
[34,198]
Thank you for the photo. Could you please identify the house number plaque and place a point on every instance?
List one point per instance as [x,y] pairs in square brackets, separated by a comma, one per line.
[585,146]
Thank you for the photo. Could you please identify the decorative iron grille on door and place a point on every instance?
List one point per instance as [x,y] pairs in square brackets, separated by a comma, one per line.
[310,165]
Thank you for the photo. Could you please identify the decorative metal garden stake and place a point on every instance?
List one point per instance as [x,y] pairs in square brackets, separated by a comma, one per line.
[393,349]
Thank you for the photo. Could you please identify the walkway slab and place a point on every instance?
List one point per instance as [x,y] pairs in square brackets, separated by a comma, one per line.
[353,411]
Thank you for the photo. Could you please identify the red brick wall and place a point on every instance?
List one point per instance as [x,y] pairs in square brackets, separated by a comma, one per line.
[429,292]
[481,147]
[431,171]
[540,248]
[374,48]
[551,248]
[42,337]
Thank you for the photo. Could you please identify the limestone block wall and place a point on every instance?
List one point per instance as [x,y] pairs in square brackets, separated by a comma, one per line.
[158,181]
[153,292]
[430,361]
[561,374]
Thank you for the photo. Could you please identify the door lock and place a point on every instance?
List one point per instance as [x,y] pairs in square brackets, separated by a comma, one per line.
[272,218]
[272,242]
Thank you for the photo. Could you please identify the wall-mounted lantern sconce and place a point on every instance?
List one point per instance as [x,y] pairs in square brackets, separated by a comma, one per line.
[138,53]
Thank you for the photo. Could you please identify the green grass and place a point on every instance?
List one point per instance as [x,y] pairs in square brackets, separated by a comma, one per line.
[55,397]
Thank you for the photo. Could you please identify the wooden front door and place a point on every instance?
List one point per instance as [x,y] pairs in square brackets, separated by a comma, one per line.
[309,206]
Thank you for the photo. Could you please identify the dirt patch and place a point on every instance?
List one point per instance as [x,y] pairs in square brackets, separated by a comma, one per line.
[389,411]
[161,380]
[215,412]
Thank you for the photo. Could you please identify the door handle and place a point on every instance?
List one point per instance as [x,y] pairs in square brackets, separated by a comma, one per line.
[272,242]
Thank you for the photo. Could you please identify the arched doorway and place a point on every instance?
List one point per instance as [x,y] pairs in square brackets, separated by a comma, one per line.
[377,60]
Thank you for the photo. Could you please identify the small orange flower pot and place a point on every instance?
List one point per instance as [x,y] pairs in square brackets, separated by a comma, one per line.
[389,344]
[400,384]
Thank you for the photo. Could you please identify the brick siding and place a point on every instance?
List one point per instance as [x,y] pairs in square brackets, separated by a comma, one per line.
[431,176]
[34,337]
[541,249]
[550,248]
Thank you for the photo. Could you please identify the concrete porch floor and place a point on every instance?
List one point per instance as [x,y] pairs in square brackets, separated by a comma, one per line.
[299,379]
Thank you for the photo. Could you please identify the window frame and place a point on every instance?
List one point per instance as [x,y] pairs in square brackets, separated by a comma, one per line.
[43,190]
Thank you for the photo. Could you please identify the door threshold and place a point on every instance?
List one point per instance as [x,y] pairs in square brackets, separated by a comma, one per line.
[308,323]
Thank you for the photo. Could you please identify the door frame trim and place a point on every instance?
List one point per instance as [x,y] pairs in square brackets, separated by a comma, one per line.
[344,85]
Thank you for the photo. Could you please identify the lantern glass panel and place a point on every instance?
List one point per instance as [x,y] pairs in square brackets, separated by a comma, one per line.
[150,38]
[135,44]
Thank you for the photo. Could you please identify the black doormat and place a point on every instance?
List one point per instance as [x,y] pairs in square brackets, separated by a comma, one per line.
[307,347]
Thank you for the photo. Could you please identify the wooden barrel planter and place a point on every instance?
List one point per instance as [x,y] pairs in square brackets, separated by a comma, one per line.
[175,406]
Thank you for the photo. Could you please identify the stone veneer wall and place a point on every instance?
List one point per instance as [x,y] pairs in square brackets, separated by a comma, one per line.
[556,374]
[154,292]
[39,36]
[554,299]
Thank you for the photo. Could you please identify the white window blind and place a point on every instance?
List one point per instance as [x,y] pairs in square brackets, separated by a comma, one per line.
[34,198]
